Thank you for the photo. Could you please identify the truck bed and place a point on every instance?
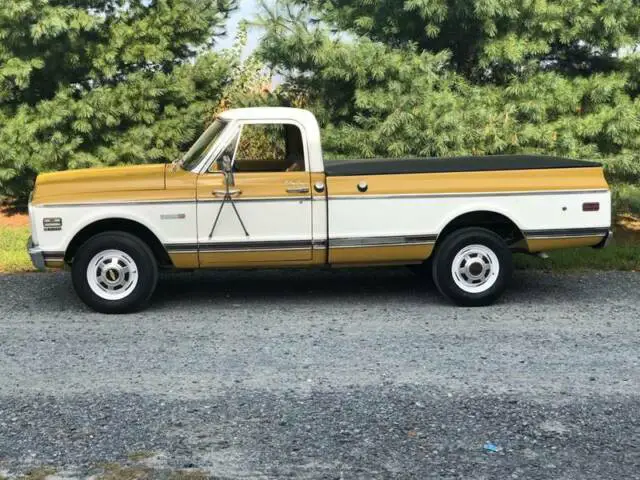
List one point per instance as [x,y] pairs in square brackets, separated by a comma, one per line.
[346,168]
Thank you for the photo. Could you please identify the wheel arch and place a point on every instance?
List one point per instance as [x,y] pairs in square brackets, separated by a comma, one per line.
[120,224]
[491,219]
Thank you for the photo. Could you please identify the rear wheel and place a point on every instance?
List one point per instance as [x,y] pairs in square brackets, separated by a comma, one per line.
[114,272]
[472,267]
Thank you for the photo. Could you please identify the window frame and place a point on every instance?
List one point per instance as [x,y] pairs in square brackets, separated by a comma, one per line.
[211,145]
[236,129]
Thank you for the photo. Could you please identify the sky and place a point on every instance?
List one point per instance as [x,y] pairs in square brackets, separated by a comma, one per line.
[247,9]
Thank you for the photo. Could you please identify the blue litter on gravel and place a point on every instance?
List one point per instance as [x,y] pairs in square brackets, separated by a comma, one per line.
[491,447]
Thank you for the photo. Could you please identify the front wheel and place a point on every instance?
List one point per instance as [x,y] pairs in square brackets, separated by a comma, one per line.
[472,267]
[114,272]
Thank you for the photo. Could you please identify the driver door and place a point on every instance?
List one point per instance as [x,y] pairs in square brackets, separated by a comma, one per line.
[265,218]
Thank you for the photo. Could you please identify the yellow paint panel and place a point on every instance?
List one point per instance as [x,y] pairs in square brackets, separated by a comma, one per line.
[252,258]
[546,244]
[57,264]
[471,182]
[147,183]
[319,256]
[318,178]
[379,254]
[180,184]
[100,184]
[256,185]
[184,259]
[258,259]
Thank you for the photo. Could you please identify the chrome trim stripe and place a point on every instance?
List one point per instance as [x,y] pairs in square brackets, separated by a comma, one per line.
[290,198]
[52,255]
[566,233]
[117,204]
[382,245]
[464,195]
[301,244]
[239,246]
[246,250]
[181,247]
[381,241]
[54,259]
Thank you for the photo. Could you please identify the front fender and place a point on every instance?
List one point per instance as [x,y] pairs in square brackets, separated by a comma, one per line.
[75,219]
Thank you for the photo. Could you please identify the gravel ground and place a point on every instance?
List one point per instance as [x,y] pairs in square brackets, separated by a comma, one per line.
[325,374]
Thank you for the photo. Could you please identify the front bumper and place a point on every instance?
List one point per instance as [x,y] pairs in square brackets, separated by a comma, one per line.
[606,241]
[36,254]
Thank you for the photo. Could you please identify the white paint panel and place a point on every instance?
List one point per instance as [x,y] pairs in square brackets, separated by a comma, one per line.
[379,216]
[320,227]
[277,220]
[75,218]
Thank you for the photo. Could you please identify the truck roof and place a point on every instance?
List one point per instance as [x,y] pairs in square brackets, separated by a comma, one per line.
[269,113]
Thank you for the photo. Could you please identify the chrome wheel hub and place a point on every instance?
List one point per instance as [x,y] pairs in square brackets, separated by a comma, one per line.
[112,274]
[475,268]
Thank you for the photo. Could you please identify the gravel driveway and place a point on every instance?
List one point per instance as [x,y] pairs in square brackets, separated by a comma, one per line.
[325,374]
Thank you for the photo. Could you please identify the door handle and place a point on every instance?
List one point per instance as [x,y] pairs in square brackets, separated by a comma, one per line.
[222,193]
[298,189]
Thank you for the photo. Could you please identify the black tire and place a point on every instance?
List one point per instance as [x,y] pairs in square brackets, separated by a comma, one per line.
[455,243]
[136,249]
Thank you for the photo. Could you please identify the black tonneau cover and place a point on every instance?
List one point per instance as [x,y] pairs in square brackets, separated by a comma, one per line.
[346,168]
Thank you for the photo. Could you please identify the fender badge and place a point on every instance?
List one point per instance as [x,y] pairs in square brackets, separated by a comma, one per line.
[52,224]
[175,216]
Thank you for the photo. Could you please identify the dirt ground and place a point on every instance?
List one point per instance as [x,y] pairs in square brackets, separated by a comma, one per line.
[13,220]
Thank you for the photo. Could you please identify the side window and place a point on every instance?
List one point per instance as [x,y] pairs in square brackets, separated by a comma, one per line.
[268,148]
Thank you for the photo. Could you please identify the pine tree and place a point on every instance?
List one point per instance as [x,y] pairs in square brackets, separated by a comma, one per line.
[389,81]
[491,40]
[103,82]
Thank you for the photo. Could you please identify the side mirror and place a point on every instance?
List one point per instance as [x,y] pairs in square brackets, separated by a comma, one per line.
[227,169]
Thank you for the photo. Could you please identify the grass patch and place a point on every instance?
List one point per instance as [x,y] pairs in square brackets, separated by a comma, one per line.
[142,455]
[39,473]
[115,471]
[189,475]
[615,257]
[626,197]
[13,250]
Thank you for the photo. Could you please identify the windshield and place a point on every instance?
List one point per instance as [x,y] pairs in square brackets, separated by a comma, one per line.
[199,149]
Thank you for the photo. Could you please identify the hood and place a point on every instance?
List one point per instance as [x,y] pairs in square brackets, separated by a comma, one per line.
[80,185]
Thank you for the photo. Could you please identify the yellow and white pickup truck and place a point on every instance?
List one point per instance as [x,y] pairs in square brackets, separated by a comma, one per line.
[255,192]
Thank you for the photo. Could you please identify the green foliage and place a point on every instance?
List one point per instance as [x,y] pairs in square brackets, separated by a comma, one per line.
[626,198]
[101,82]
[250,83]
[493,39]
[398,91]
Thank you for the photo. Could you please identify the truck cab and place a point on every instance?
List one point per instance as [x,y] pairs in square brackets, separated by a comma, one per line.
[275,212]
